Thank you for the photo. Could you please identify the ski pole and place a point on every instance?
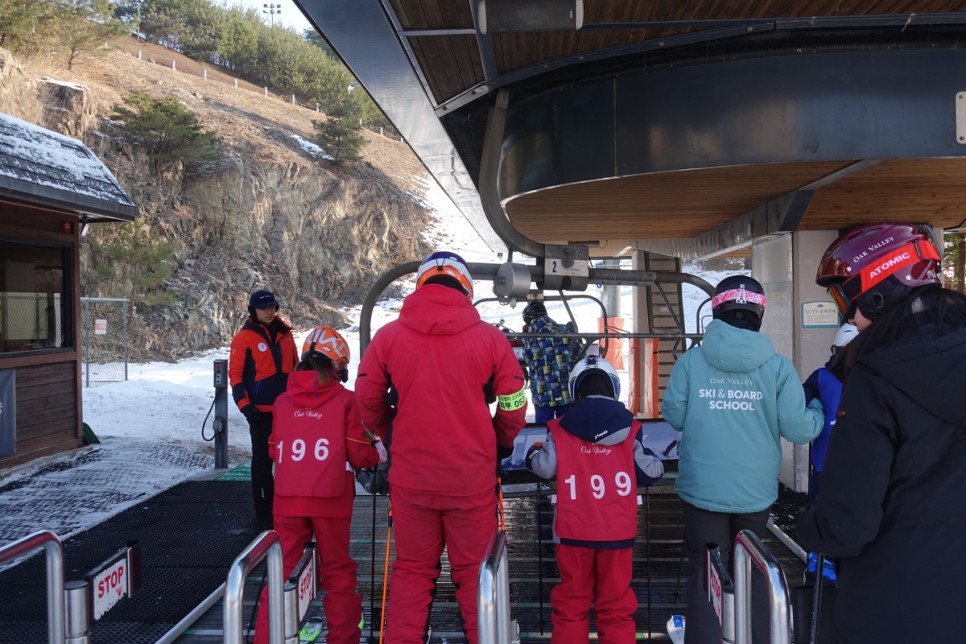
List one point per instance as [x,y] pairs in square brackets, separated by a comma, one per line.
[540,556]
[817,600]
[385,578]
[647,540]
[499,494]
[372,572]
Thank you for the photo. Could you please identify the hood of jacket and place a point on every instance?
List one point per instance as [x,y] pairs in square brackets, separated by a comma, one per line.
[598,419]
[434,309]
[729,348]
[931,371]
[305,391]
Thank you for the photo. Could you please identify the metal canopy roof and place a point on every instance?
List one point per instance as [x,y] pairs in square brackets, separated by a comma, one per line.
[684,127]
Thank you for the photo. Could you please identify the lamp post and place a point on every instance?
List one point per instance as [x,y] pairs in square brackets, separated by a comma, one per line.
[272,10]
[137,24]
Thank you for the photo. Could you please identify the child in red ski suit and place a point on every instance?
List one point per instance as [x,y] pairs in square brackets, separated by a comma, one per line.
[317,439]
[597,455]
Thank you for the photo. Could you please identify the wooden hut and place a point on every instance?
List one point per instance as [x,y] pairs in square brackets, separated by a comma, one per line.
[51,188]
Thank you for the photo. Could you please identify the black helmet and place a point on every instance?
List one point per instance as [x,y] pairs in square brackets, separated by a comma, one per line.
[261,300]
[534,310]
[740,301]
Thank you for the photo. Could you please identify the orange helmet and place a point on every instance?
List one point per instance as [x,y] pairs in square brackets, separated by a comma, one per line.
[446,264]
[326,341]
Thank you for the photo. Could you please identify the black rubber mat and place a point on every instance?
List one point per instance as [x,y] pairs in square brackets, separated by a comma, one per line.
[189,536]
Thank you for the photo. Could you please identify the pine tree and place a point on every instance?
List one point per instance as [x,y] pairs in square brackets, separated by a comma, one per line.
[139,261]
[168,130]
[84,26]
[339,135]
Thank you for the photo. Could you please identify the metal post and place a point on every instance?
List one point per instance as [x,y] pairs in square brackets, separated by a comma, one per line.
[87,343]
[267,544]
[749,549]
[493,596]
[78,609]
[611,293]
[292,612]
[54,551]
[220,423]
[124,313]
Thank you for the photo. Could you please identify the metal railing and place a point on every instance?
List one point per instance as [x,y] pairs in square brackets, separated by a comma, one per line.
[54,550]
[266,544]
[493,601]
[749,549]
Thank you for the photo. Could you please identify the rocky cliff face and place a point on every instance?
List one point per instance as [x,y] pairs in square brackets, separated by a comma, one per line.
[267,214]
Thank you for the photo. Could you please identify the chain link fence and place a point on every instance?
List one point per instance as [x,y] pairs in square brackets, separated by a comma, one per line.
[105,337]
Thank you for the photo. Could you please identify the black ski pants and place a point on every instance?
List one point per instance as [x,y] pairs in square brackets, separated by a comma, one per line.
[263,483]
[703,527]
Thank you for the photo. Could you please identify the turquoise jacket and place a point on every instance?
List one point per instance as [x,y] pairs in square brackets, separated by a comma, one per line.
[732,398]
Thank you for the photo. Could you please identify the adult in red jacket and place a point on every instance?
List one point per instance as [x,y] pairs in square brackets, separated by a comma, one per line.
[262,355]
[317,439]
[441,360]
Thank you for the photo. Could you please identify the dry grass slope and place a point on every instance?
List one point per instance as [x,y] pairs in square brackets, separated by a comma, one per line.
[241,115]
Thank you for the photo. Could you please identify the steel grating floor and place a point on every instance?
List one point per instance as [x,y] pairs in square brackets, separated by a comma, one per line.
[191,534]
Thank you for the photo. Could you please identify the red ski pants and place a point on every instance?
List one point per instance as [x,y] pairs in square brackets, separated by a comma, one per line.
[423,524]
[598,577]
[341,603]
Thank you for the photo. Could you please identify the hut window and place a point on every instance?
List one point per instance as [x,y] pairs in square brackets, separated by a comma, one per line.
[33,298]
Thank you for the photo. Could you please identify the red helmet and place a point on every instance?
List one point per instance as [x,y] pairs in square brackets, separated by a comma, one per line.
[326,341]
[857,266]
[445,264]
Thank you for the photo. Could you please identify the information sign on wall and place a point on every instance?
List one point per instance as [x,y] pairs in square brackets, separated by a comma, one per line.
[820,315]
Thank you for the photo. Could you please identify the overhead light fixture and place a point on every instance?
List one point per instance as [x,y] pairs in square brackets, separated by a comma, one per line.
[529,15]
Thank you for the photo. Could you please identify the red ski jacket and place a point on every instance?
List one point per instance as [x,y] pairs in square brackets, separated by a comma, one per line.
[261,357]
[439,357]
[316,441]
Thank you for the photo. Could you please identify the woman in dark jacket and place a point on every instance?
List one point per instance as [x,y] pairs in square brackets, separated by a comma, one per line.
[892,506]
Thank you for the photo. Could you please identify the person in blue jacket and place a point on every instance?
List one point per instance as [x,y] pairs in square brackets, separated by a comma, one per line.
[733,398]
[825,383]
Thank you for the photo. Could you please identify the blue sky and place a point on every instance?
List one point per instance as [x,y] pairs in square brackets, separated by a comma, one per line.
[287,15]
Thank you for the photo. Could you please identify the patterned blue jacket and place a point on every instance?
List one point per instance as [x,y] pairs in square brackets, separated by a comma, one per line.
[550,360]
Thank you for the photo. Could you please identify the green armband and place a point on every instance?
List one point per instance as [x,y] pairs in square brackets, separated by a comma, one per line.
[512,402]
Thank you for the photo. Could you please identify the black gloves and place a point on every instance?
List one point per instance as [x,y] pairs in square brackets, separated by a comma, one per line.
[376,480]
[250,412]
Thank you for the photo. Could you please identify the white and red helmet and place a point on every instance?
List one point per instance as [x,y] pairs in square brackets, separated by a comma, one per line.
[445,264]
